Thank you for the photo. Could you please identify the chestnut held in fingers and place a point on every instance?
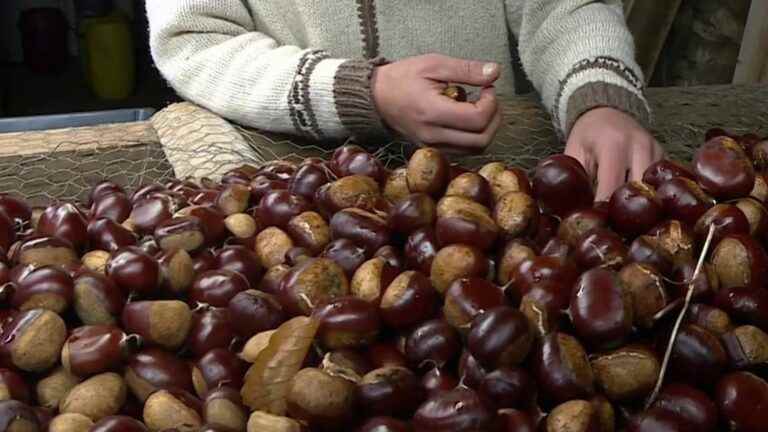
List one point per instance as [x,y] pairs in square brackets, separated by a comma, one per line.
[217,367]
[455,262]
[561,185]
[472,186]
[311,283]
[739,260]
[690,404]
[32,341]
[626,374]
[309,230]
[390,390]
[601,248]
[503,179]
[459,410]
[562,368]
[408,300]
[727,219]
[254,311]
[697,356]
[119,423]
[133,270]
[217,287]
[432,344]
[500,337]
[320,399]
[164,323]
[362,227]
[211,328]
[665,170]
[646,288]
[468,298]
[427,171]
[92,350]
[742,398]
[723,169]
[578,223]
[153,369]
[347,322]
[635,208]
[601,309]
[44,287]
[507,387]
[420,250]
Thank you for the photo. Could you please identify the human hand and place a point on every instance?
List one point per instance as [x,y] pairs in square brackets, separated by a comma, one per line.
[408,96]
[613,145]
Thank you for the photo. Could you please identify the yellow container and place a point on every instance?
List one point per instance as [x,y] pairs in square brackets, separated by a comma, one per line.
[106,47]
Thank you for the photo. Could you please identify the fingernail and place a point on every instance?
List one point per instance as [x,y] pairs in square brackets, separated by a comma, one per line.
[489,69]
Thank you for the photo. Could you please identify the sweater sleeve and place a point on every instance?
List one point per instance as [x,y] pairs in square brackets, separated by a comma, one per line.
[211,54]
[579,55]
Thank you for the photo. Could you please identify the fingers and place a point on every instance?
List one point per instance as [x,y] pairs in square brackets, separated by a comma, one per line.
[610,175]
[468,117]
[642,157]
[577,151]
[460,71]
[462,141]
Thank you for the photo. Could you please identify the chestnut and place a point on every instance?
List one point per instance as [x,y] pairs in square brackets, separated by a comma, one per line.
[470,371]
[150,212]
[97,300]
[363,163]
[739,260]
[153,369]
[212,221]
[217,287]
[311,283]
[371,280]
[454,262]
[173,409]
[503,179]
[346,192]
[320,399]
[278,207]
[361,227]
[178,271]
[745,304]
[468,298]
[211,328]
[396,185]
[690,404]
[16,208]
[420,250]
[234,198]
[684,200]
[437,381]
[557,249]
[390,391]
[307,179]
[460,220]
[635,208]
[628,373]
[747,346]
[500,337]
[205,197]
[33,340]
[427,172]
[340,158]
[760,190]
[723,169]
[134,271]
[97,397]
[601,309]
[346,254]
[561,185]
[270,283]
[180,233]
[514,253]
[710,318]
[91,350]
[472,186]
[18,416]
[507,387]
[262,184]
[542,318]
[164,323]
[119,423]
[646,288]
[459,410]
[262,421]
[546,279]
[95,260]
[415,211]
[43,287]
[217,367]
[43,250]
[580,222]
[574,416]
[408,300]
[516,214]
[513,420]
[255,345]
[144,190]
[392,256]
[347,322]
[756,215]
[697,356]
[601,248]
[386,353]
[223,407]
[432,344]
[52,389]
[7,232]
[253,312]
[65,221]
[727,220]
[115,206]
[271,246]
[69,422]
[297,255]
[384,424]
[741,398]
[279,169]
[242,226]
[13,386]
[562,369]
[309,230]
[665,170]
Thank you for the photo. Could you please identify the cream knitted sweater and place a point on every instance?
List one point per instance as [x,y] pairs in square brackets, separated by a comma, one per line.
[304,66]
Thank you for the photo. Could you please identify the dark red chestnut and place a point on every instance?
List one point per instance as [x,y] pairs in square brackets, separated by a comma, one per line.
[705,285]
[211,328]
[115,206]
[745,305]
[254,311]
[239,259]
[348,255]
[390,391]
[601,248]
[468,298]
[432,344]
[119,424]
[7,232]
[212,221]
[665,170]
[561,185]
[601,309]
[16,208]
[514,253]
[364,228]
[472,186]
[144,191]
[578,223]
[420,250]
[500,337]
[203,261]
[742,399]
[133,270]
[312,283]
[462,221]
[276,208]
[341,157]
[43,287]
[690,404]
[471,373]
[217,287]
[727,219]
[549,280]
[698,355]
[413,212]
[108,235]
[384,424]
[513,420]
[647,251]
[363,163]
[408,300]
[635,208]
[684,200]
[723,169]
[153,369]
[437,381]
[66,222]
[387,353]
[261,185]
[148,213]
[562,368]
[180,233]
[347,322]
[307,179]
[739,260]
[13,386]
[216,368]
[92,350]
[507,387]
[459,410]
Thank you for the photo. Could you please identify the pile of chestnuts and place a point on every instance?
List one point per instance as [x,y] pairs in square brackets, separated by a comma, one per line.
[341,295]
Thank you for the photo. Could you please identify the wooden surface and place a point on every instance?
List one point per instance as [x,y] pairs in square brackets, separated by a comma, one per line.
[658,15]
[752,64]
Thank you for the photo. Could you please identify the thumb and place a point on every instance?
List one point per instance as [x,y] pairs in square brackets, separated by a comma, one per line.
[460,71]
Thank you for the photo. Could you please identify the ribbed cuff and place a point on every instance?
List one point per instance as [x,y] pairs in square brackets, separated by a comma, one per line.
[600,94]
[354,99]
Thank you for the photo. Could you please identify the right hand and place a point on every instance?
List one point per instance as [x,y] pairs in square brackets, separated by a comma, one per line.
[408,96]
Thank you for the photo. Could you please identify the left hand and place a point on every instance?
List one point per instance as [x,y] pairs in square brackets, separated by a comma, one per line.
[613,145]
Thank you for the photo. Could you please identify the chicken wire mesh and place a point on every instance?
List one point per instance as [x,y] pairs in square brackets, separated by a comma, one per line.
[186,141]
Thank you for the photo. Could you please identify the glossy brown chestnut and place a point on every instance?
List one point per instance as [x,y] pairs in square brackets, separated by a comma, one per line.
[556,248]
[108,235]
[32,341]
[241,260]
[459,410]
[363,163]
[91,350]
[690,404]
[744,305]
[415,211]
[384,424]
[427,172]
[462,221]
[514,253]
[97,300]
[437,381]
[507,387]
[711,318]
[346,254]
[626,374]
[311,283]
[217,287]
[148,213]
[562,368]
[163,323]
[723,169]
[347,322]
[472,186]
[211,328]
[635,208]
[362,227]
[307,179]
[254,311]
[65,221]
[727,219]
[705,285]
[561,185]
[134,271]
[180,233]
[233,198]
[212,220]
[7,231]
[371,280]
[346,192]
[386,353]
[272,279]
[432,344]
[261,185]
[469,297]
[216,368]
[756,215]
[697,356]
[739,260]
[43,250]
[578,223]
[408,300]
[390,391]
[684,200]
[742,398]
[601,309]
[16,208]
[503,179]
[455,262]
[115,206]
[747,346]
[601,248]
[547,279]
[665,170]
[420,250]
[341,157]
[145,190]
[276,208]
[13,386]
[43,287]
[119,424]
[153,369]
[513,420]
[500,337]
[645,286]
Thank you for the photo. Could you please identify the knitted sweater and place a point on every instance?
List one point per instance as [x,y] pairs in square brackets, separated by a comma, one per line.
[304,66]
